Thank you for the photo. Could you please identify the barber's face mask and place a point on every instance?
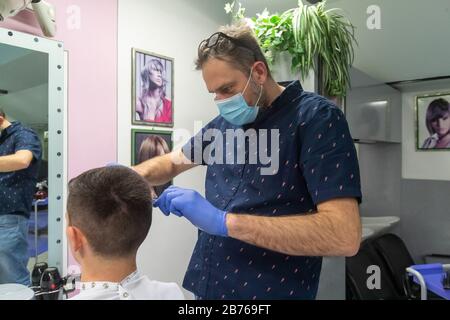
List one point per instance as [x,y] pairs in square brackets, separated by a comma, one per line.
[236,110]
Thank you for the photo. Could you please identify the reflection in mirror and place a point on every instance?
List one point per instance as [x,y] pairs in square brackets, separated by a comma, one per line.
[32,174]
[24,179]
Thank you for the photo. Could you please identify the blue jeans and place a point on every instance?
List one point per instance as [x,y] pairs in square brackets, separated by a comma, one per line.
[14,250]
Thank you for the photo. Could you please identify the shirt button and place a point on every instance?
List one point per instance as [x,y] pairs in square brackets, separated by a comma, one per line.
[125,294]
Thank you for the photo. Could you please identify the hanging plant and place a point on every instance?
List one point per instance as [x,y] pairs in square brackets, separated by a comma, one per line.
[307,33]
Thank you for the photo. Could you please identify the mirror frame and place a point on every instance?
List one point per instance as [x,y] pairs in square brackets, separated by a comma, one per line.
[56,136]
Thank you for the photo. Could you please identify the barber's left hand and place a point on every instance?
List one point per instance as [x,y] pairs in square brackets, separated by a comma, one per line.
[191,205]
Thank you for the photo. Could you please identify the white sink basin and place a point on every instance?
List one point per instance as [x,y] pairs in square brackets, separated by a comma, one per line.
[377,228]
[380,220]
[366,233]
[376,225]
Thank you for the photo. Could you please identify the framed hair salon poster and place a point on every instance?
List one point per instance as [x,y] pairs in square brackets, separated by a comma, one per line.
[152,89]
[147,144]
[433,122]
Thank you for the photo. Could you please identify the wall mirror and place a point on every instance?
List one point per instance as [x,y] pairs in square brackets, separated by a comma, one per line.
[32,93]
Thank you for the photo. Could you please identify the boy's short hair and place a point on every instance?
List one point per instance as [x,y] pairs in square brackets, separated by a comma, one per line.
[112,207]
[2,113]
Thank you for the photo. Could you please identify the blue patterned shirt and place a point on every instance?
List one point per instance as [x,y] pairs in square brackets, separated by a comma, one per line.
[317,162]
[17,188]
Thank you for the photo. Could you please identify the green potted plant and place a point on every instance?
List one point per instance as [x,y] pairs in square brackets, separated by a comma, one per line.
[316,39]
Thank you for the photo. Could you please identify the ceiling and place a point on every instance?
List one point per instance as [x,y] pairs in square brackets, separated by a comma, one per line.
[413,41]
[24,74]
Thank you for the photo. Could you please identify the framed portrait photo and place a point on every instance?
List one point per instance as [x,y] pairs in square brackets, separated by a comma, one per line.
[433,122]
[152,89]
[147,144]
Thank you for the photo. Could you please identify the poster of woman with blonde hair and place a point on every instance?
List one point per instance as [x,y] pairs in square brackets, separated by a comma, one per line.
[152,89]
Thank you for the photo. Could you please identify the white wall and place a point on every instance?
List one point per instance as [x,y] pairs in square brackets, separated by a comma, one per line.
[172,28]
[415,195]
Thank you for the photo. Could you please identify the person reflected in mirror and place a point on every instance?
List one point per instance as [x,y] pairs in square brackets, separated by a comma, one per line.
[153,104]
[438,125]
[20,156]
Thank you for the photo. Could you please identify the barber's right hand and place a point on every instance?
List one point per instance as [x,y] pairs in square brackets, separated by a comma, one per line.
[194,207]
[163,202]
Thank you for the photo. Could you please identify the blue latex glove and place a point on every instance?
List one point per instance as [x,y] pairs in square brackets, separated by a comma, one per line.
[191,205]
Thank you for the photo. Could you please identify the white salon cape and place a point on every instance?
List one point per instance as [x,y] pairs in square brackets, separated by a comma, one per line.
[133,287]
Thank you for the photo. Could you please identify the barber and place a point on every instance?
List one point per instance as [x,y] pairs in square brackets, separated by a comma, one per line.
[20,154]
[263,235]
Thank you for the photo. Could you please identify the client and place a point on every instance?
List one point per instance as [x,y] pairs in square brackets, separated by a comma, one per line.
[109,214]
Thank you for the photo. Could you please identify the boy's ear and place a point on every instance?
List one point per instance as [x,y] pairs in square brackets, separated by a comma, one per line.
[75,238]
